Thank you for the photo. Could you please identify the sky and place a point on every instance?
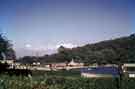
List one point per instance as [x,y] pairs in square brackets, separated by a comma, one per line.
[38,27]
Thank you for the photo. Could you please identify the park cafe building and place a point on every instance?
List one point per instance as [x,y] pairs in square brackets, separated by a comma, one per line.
[100,72]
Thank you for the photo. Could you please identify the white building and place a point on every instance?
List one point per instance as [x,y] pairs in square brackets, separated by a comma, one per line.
[75,64]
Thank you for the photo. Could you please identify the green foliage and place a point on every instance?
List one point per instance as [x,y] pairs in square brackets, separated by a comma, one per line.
[14,82]
[6,48]
[46,82]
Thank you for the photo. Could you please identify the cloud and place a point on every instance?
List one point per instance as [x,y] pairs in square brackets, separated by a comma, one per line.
[28,45]
[42,49]
[66,45]
[49,46]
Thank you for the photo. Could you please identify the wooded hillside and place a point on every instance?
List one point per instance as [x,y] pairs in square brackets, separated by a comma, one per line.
[118,50]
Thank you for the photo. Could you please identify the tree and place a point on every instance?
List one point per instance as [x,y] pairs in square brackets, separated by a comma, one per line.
[10,54]
[5,48]
[109,55]
[62,49]
[65,54]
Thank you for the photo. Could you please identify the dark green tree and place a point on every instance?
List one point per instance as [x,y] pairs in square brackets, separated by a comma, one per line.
[5,48]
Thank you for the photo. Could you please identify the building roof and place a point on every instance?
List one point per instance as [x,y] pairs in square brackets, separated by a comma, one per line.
[101,70]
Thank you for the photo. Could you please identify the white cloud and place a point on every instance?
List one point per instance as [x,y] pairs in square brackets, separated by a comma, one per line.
[42,49]
[28,45]
[49,47]
[66,45]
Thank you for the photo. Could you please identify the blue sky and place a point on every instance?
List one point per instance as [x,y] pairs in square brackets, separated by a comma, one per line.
[41,26]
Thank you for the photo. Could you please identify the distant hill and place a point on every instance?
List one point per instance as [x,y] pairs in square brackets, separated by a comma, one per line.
[118,50]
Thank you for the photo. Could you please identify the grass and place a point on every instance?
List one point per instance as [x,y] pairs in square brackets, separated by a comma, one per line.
[62,80]
[61,73]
